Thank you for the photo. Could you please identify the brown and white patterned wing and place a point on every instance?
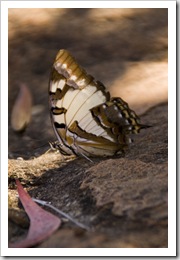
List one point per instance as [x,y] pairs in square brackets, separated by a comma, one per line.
[85,119]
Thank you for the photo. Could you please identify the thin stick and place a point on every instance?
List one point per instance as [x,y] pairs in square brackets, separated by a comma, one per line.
[48,204]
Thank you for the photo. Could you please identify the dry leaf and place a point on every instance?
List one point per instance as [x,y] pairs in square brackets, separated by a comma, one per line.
[42,222]
[21,112]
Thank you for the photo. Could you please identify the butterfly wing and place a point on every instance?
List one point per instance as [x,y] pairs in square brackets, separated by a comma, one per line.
[85,119]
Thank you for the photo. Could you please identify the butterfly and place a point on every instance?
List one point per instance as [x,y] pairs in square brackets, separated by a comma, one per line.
[87,121]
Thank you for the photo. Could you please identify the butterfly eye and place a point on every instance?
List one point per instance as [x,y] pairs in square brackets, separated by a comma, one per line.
[86,120]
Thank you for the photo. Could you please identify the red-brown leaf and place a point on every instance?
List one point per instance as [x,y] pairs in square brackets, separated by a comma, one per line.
[42,222]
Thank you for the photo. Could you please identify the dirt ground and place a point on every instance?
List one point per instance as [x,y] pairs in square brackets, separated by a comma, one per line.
[122,199]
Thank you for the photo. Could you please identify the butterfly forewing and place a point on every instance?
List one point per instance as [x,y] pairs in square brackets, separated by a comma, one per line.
[85,119]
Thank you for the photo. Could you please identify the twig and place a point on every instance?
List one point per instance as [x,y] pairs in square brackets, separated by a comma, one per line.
[48,204]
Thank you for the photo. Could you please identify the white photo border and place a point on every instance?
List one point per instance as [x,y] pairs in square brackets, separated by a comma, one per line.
[171,250]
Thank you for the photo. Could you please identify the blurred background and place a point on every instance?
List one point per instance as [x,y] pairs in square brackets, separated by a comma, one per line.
[126,49]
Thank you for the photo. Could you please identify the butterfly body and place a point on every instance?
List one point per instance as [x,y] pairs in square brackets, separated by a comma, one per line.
[86,120]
